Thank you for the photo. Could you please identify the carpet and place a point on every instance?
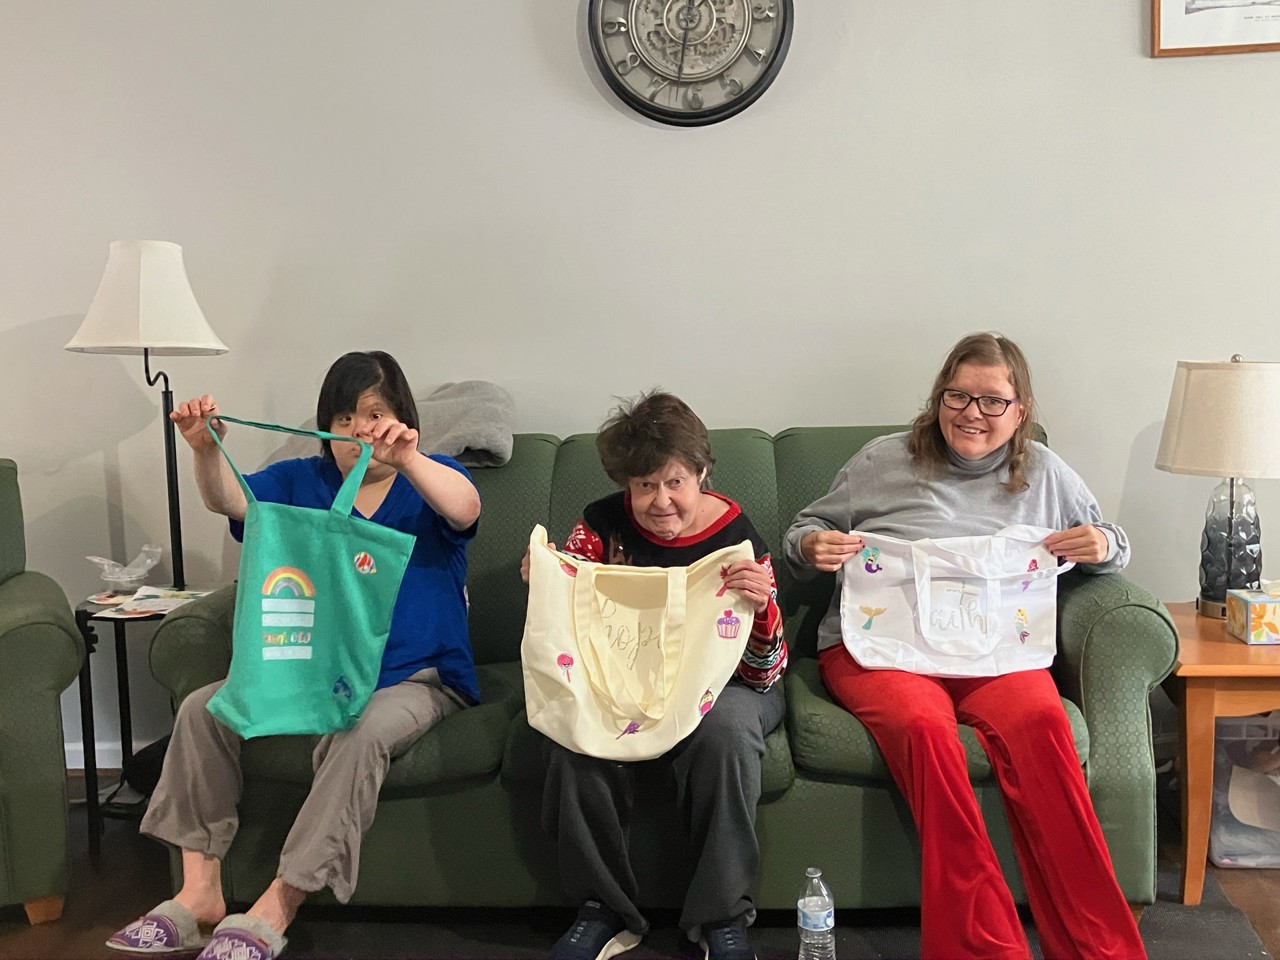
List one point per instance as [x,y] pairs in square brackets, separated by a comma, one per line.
[1171,931]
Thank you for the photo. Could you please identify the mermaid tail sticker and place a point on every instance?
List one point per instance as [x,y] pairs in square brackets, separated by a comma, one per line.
[872,613]
[632,727]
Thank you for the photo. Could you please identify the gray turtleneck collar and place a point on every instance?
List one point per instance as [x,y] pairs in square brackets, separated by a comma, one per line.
[983,465]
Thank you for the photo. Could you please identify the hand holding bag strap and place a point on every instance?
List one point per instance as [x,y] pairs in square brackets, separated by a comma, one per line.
[346,498]
[611,682]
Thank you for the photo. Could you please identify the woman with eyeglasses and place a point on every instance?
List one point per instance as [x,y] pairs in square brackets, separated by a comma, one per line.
[969,467]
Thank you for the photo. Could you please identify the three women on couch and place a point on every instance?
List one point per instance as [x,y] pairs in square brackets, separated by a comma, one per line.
[968,466]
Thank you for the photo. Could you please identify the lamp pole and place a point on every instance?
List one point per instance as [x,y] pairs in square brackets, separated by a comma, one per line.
[170,470]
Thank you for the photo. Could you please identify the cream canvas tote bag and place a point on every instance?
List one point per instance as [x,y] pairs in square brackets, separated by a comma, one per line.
[623,662]
[952,607]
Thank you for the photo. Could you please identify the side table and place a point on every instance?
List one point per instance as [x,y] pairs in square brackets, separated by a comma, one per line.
[1216,676]
[87,616]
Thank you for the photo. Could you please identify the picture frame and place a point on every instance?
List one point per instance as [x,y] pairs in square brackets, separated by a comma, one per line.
[1183,28]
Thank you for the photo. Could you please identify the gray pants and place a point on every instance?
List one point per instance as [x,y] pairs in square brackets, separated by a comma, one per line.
[587,802]
[194,805]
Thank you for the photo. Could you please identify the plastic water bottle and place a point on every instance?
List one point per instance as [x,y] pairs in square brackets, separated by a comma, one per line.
[816,919]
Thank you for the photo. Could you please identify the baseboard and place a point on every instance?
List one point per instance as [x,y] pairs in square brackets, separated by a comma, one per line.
[107,755]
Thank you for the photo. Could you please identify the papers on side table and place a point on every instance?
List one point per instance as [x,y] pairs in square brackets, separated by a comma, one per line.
[149,601]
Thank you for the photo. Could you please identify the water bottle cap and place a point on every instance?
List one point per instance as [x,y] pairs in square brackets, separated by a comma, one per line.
[813,872]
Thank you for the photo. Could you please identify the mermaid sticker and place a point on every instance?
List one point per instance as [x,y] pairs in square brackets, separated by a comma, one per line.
[1033,566]
[1021,625]
[869,557]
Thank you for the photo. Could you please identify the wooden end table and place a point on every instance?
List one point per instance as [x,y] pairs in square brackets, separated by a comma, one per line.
[1216,676]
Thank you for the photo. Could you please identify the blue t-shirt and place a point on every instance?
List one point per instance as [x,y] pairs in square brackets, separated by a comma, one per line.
[429,622]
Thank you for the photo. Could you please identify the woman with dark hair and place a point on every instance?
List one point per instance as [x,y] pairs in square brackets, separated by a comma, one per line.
[969,467]
[427,669]
[665,515]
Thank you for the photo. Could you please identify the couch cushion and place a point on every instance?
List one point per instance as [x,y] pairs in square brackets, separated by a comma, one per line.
[829,741]
[525,762]
[515,497]
[463,746]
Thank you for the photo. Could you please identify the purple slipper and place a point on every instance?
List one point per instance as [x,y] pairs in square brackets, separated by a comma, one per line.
[240,937]
[168,930]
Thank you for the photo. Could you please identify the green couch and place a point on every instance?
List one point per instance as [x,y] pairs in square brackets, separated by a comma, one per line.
[40,654]
[458,819]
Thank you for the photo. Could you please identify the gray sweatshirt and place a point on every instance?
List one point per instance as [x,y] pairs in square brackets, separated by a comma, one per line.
[881,491]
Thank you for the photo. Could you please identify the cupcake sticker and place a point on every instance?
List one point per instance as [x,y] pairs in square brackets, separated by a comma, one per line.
[727,626]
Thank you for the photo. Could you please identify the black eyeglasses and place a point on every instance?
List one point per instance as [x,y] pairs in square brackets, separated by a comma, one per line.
[990,406]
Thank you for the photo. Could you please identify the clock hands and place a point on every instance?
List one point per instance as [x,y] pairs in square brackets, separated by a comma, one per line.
[685,15]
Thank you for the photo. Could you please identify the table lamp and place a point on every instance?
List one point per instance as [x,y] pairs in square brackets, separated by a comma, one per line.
[1221,422]
[144,305]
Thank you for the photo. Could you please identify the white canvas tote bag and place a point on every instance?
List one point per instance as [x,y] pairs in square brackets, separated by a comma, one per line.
[623,662]
[952,607]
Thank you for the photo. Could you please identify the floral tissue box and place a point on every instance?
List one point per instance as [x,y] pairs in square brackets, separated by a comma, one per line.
[1253,616]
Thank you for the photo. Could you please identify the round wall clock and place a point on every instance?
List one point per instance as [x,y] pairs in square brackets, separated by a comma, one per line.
[689,62]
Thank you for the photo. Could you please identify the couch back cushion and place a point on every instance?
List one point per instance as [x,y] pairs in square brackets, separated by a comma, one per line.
[515,498]
[13,548]
[808,459]
[578,480]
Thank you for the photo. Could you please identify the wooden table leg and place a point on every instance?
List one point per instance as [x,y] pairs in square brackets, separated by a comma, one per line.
[1197,783]
[43,909]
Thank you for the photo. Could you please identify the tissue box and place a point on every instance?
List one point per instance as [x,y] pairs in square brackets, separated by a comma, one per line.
[1253,616]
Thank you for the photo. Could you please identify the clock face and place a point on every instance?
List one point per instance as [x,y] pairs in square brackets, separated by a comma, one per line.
[689,62]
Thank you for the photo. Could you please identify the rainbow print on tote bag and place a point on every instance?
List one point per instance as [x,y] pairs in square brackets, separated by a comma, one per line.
[314,600]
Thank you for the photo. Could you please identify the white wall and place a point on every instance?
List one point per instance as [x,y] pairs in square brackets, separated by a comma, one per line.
[453,183]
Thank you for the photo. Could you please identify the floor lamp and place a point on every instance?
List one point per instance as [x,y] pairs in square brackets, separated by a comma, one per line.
[144,305]
[1220,423]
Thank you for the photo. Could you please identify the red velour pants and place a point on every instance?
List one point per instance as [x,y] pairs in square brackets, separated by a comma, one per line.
[966,909]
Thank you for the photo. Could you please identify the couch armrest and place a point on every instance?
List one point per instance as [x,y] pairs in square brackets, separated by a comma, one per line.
[1116,643]
[40,654]
[192,646]
[40,645]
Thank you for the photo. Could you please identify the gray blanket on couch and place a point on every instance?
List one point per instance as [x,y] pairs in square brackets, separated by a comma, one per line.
[471,420]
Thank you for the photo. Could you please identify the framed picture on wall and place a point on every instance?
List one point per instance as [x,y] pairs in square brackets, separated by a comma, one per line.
[1181,28]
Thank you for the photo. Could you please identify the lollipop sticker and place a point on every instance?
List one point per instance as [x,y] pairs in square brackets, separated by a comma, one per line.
[564,662]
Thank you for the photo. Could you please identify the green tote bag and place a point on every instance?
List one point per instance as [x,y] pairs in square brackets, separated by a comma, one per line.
[313,609]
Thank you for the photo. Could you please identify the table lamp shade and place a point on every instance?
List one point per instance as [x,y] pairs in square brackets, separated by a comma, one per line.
[1221,420]
[144,302]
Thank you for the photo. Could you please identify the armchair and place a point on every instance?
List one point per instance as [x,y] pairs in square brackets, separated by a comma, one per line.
[40,654]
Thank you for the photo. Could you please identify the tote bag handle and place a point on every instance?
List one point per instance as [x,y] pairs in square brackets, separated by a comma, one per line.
[346,498]
[925,554]
[605,673]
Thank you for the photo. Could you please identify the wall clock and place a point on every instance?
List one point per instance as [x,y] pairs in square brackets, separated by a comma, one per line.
[689,62]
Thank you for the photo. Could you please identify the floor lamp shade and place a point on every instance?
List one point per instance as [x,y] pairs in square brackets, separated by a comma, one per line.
[144,302]
[144,305]
[1219,422]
